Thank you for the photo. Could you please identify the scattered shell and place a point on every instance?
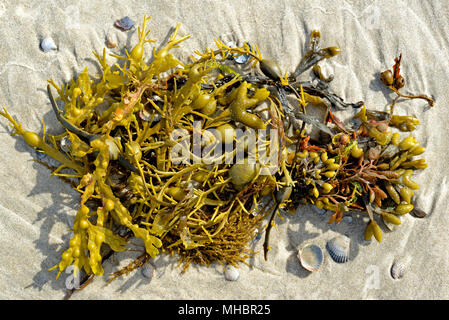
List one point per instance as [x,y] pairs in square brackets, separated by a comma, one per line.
[311,257]
[231,273]
[47,44]
[398,268]
[418,213]
[65,144]
[124,24]
[110,44]
[244,58]
[338,248]
[148,270]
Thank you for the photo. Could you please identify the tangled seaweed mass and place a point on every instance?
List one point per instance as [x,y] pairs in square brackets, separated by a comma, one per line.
[143,145]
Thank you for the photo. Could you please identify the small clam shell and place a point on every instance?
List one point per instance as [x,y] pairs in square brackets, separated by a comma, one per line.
[398,268]
[231,273]
[148,270]
[311,257]
[338,248]
[48,44]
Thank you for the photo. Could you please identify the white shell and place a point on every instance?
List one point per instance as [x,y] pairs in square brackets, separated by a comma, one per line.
[47,44]
[311,257]
[148,270]
[338,248]
[231,273]
[399,267]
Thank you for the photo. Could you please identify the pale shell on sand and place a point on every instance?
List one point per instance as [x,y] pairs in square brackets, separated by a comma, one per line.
[47,44]
[311,257]
[338,248]
[231,273]
[148,270]
[399,267]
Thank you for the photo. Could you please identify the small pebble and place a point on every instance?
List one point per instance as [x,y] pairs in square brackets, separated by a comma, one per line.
[47,44]
[148,270]
[124,24]
[231,273]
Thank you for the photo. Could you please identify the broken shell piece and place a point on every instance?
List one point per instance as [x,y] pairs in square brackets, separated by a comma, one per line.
[418,213]
[311,257]
[338,248]
[148,270]
[110,44]
[47,44]
[231,273]
[124,24]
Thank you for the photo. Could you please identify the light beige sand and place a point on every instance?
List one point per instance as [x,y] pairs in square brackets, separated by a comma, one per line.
[36,210]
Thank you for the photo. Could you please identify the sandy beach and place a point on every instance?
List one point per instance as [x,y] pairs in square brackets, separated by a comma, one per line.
[36,210]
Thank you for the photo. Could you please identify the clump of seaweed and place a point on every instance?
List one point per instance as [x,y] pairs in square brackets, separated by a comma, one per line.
[141,141]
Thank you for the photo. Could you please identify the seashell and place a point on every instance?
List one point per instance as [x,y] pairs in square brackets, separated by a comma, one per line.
[148,270]
[338,248]
[231,273]
[65,144]
[124,24]
[47,44]
[311,257]
[110,44]
[418,213]
[398,268]
[244,58]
